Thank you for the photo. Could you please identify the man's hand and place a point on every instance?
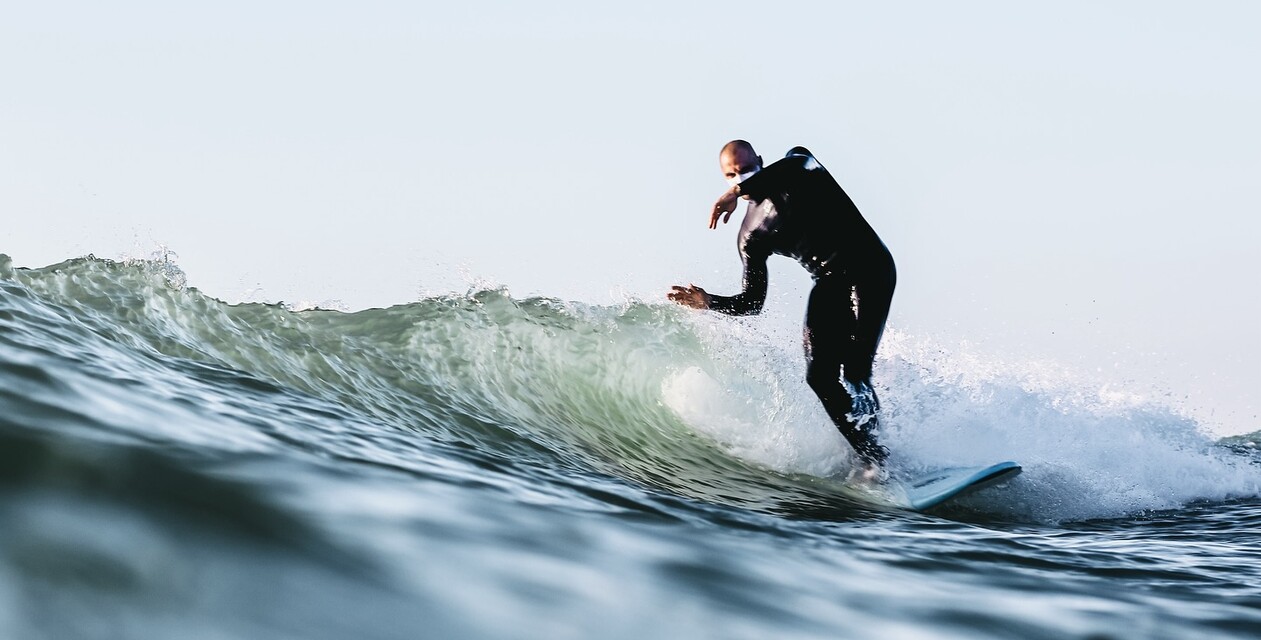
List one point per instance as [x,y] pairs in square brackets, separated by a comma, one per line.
[689,296]
[726,204]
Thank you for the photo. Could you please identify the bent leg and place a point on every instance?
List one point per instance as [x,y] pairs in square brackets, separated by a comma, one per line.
[874,294]
[829,340]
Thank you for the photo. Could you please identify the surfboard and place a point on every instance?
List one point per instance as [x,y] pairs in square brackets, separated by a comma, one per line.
[932,489]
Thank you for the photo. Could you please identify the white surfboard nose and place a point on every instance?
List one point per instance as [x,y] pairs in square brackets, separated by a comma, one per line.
[933,488]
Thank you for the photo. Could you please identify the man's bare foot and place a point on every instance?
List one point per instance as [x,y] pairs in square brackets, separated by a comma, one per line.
[874,473]
[868,473]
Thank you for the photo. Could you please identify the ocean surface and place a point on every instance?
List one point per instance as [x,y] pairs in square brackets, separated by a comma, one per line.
[482,466]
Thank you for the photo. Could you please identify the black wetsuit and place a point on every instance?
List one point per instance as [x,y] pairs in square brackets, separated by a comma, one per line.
[798,210]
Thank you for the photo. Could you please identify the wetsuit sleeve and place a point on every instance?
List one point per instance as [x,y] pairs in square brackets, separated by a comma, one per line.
[774,178]
[750,300]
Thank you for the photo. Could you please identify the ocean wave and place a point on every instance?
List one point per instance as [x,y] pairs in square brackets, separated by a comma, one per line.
[709,408]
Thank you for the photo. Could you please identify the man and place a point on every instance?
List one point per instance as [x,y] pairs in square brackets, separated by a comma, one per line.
[797,209]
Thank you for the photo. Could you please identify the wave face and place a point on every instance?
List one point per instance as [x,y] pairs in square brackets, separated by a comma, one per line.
[479,465]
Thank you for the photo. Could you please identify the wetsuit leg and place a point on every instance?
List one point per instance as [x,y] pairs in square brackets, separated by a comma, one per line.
[830,339]
[874,293]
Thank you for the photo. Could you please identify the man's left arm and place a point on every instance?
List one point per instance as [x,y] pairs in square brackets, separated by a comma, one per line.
[774,178]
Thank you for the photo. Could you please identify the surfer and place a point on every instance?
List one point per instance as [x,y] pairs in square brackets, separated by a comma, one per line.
[797,209]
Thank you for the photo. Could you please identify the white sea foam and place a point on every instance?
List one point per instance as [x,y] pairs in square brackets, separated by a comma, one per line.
[1089,448]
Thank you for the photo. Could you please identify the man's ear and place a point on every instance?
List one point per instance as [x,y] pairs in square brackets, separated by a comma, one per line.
[759,162]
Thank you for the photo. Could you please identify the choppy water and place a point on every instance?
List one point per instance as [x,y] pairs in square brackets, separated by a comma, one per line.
[483,466]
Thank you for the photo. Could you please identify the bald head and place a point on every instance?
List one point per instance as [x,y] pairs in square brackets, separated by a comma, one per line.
[738,160]
[737,147]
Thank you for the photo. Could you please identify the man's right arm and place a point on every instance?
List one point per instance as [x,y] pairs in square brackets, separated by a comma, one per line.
[751,298]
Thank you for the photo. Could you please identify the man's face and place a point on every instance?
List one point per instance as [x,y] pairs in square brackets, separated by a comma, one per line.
[739,162]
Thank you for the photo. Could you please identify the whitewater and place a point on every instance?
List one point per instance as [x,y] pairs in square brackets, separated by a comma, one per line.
[484,466]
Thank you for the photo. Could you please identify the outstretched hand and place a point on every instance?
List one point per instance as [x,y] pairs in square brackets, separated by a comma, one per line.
[725,205]
[689,296]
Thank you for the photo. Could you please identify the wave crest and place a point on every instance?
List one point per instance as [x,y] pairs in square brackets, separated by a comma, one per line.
[704,406]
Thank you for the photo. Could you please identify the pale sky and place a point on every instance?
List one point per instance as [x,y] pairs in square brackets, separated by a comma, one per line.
[1073,181]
